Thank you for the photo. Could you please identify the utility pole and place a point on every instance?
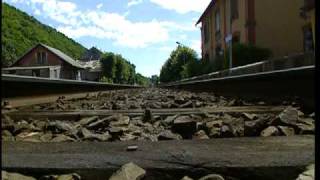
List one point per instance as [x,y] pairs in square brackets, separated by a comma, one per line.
[230,42]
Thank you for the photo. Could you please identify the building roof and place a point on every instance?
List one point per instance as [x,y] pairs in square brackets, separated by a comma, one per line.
[211,4]
[30,67]
[58,53]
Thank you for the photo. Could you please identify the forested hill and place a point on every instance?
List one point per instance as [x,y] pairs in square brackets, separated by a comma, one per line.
[20,32]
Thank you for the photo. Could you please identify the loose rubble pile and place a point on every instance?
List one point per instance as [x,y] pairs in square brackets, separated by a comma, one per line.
[156,128]
[140,99]
[131,171]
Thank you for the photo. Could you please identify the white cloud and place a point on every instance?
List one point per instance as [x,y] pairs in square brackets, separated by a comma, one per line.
[183,6]
[37,12]
[99,6]
[134,2]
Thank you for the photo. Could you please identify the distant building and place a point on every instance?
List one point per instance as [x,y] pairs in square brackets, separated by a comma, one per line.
[91,54]
[273,24]
[93,70]
[48,62]
[308,13]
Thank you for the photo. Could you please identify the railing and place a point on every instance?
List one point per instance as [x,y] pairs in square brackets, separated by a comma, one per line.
[292,61]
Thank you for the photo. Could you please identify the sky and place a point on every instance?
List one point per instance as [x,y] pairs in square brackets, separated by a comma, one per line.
[142,31]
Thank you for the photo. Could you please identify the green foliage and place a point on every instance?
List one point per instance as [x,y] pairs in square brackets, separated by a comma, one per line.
[175,68]
[20,32]
[155,79]
[141,80]
[106,80]
[182,63]
[117,69]
[243,54]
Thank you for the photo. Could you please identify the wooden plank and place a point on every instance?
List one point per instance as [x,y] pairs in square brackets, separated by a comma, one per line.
[138,112]
[257,158]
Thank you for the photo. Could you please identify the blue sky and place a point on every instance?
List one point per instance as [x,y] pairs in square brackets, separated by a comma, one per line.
[143,31]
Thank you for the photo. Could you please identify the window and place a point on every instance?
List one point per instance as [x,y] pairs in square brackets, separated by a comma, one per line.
[55,73]
[217,21]
[234,9]
[206,33]
[42,57]
[308,39]
[36,72]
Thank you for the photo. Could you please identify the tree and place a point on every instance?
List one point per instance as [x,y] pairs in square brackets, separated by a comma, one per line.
[182,63]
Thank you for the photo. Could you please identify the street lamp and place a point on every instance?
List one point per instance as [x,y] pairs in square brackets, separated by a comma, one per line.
[184,56]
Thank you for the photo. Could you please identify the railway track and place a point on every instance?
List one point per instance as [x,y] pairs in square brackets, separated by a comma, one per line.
[168,133]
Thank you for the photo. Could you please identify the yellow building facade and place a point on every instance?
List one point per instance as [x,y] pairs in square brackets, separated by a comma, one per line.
[272,24]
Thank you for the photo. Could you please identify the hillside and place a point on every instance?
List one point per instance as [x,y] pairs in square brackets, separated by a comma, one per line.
[20,32]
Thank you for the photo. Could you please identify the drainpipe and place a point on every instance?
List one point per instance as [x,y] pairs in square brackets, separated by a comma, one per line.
[230,43]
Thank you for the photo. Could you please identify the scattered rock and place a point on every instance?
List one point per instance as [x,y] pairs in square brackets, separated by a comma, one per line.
[200,135]
[287,131]
[212,177]
[185,126]
[248,116]
[129,171]
[226,131]
[62,138]
[168,135]
[289,117]
[132,148]
[188,104]
[115,132]
[88,135]
[186,178]
[14,176]
[147,117]
[270,131]
[88,120]
[308,174]
[254,128]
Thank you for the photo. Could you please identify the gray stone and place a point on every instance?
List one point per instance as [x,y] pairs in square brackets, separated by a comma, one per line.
[62,138]
[289,116]
[98,124]
[308,174]
[254,128]
[88,120]
[270,131]
[88,135]
[249,116]
[46,137]
[188,104]
[226,131]
[287,131]
[186,178]
[147,116]
[115,132]
[120,121]
[212,177]
[169,119]
[200,135]
[305,128]
[128,137]
[216,124]
[59,127]
[129,171]
[215,132]
[185,126]
[14,176]
[168,135]
[69,177]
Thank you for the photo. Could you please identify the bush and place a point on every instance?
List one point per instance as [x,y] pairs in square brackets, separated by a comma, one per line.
[243,54]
